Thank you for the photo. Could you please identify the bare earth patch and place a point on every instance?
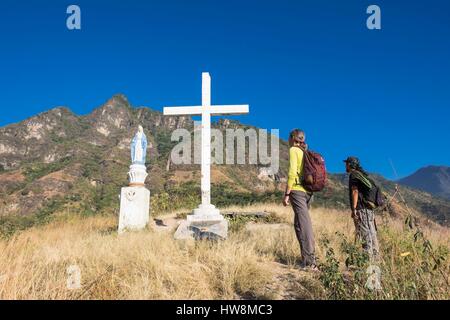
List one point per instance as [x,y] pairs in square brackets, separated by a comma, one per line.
[13,176]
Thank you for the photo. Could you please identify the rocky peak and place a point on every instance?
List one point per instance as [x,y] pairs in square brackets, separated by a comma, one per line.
[59,112]
[120,99]
[432,179]
[227,124]
[115,114]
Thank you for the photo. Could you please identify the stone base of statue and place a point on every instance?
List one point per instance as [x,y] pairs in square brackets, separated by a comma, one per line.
[206,222]
[135,201]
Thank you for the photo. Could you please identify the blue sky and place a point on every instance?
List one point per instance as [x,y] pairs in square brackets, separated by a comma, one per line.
[377,94]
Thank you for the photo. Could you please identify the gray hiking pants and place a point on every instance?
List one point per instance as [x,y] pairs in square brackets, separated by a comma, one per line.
[303,226]
[366,231]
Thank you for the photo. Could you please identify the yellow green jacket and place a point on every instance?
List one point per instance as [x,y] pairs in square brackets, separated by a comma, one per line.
[295,169]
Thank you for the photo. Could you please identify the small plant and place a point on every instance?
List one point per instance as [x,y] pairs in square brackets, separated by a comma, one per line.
[358,263]
[238,222]
[331,277]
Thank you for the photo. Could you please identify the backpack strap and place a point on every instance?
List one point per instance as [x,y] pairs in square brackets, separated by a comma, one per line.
[363,179]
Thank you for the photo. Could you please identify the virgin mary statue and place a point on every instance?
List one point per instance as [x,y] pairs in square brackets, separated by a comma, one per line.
[139,147]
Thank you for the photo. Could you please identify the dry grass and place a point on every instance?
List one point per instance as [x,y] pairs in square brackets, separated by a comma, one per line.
[151,265]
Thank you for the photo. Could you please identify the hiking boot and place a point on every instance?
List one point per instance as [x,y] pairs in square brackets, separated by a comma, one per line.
[308,268]
[311,268]
[314,268]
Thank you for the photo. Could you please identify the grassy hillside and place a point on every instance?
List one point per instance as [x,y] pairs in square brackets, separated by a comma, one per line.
[256,262]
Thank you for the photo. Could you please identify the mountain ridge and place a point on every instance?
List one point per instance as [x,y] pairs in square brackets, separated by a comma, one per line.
[432,179]
[80,162]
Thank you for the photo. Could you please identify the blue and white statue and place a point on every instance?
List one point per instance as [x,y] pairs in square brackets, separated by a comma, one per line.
[135,199]
[139,147]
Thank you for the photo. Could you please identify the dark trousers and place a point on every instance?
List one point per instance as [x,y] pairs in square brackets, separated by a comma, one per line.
[303,226]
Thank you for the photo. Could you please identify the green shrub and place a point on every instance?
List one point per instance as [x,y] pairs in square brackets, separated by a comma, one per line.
[331,276]
[12,224]
[39,170]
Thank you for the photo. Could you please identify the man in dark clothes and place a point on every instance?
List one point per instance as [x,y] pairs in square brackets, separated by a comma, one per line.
[362,214]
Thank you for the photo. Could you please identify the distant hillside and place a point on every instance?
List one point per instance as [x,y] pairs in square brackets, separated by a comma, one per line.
[58,161]
[432,179]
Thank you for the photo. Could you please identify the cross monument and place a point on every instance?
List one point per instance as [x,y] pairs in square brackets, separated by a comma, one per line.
[206,211]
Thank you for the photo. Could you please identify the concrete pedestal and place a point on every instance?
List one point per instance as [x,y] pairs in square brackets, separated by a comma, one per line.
[206,222]
[205,213]
[134,208]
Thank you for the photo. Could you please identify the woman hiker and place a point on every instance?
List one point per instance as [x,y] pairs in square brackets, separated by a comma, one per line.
[299,198]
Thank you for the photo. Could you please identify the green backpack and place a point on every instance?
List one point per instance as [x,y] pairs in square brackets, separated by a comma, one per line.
[372,194]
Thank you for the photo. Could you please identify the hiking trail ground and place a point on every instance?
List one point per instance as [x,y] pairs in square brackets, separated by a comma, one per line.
[257,261]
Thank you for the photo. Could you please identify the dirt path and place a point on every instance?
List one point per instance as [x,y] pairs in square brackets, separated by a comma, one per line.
[289,283]
[166,223]
[293,284]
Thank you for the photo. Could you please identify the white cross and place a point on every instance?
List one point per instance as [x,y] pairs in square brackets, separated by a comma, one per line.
[206,110]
